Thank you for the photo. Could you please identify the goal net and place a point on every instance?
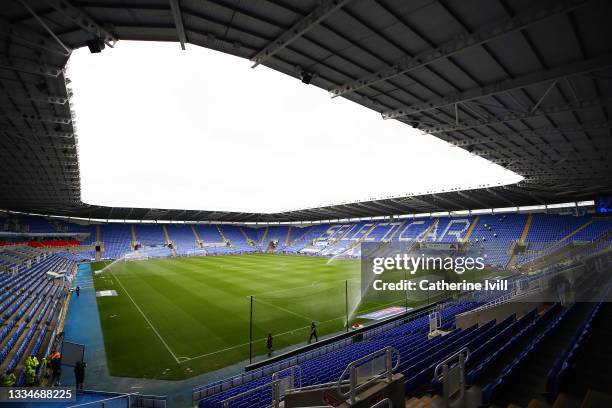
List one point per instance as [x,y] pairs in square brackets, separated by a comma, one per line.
[145,253]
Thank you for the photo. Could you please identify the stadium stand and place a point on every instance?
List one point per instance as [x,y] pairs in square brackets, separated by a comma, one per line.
[149,234]
[523,84]
[117,239]
[492,235]
[31,305]
[184,238]
[31,301]
[235,235]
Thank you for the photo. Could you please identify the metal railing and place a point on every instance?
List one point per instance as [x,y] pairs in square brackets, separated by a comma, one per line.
[383,403]
[289,378]
[451,373]
[351,371]
[103,402]
[282,381]
[274,384]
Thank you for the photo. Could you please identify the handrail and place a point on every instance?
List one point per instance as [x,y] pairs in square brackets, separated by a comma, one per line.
[323,385]
[351,370]
[274,384]
[129,395]
[442,372]
[292,374]
[452,357]
[383,403]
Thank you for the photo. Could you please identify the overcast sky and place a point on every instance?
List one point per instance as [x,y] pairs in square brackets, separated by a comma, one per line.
[197,129]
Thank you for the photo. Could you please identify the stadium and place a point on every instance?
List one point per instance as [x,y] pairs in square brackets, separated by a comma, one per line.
[489,293]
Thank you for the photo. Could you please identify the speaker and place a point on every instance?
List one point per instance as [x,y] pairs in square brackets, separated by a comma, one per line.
[306,77]
[98,249]
[95,46]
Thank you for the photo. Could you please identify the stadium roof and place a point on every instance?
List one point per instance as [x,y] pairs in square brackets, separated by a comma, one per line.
[527,85]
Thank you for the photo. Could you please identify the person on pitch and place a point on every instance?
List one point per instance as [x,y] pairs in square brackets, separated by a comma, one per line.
[269,341]
[313,332]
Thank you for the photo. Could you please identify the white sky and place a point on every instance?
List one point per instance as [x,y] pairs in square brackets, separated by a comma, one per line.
[163,128]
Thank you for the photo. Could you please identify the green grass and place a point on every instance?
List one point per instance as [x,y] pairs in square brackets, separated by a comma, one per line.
[196,310]
[176,318]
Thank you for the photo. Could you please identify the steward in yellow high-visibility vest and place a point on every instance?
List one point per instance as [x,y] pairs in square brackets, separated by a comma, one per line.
[8,379]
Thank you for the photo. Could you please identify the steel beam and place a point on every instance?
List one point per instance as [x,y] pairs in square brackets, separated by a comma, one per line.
[80,18]
[29,37]
[458,44]
[524,134]
[427,205]
[500,196]
[471,198]
[46,27]
[440,196]
[518,150]
[26,96]
[37,132]
[30,67]
[178,22]
[506,85]
[320,13]
[571,106]
[40,118]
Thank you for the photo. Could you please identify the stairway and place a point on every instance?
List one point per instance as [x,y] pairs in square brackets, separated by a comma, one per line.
[263,238]
[134,238]
[524,234]
[246,237]
[423,237]
[98,235]
[223,236]
[288,235]
[424,401]
[397,230]
[592,399]
[577,230]
[195,233]
[530,387]
[471,229]
[168,240]
[359,241]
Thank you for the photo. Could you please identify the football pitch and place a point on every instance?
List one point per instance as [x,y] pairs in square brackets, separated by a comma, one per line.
[175,318]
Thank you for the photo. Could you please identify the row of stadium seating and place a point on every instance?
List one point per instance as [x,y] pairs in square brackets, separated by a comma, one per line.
[410,339]
[586,231]
[499,353]
[585,363]
[497,350]
[490,235]
[30,304]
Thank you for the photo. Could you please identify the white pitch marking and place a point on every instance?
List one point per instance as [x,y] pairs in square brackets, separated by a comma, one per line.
[284,310]
[261,339]
[146,319]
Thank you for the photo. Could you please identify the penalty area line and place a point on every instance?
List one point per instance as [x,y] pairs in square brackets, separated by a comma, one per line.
[147,320]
